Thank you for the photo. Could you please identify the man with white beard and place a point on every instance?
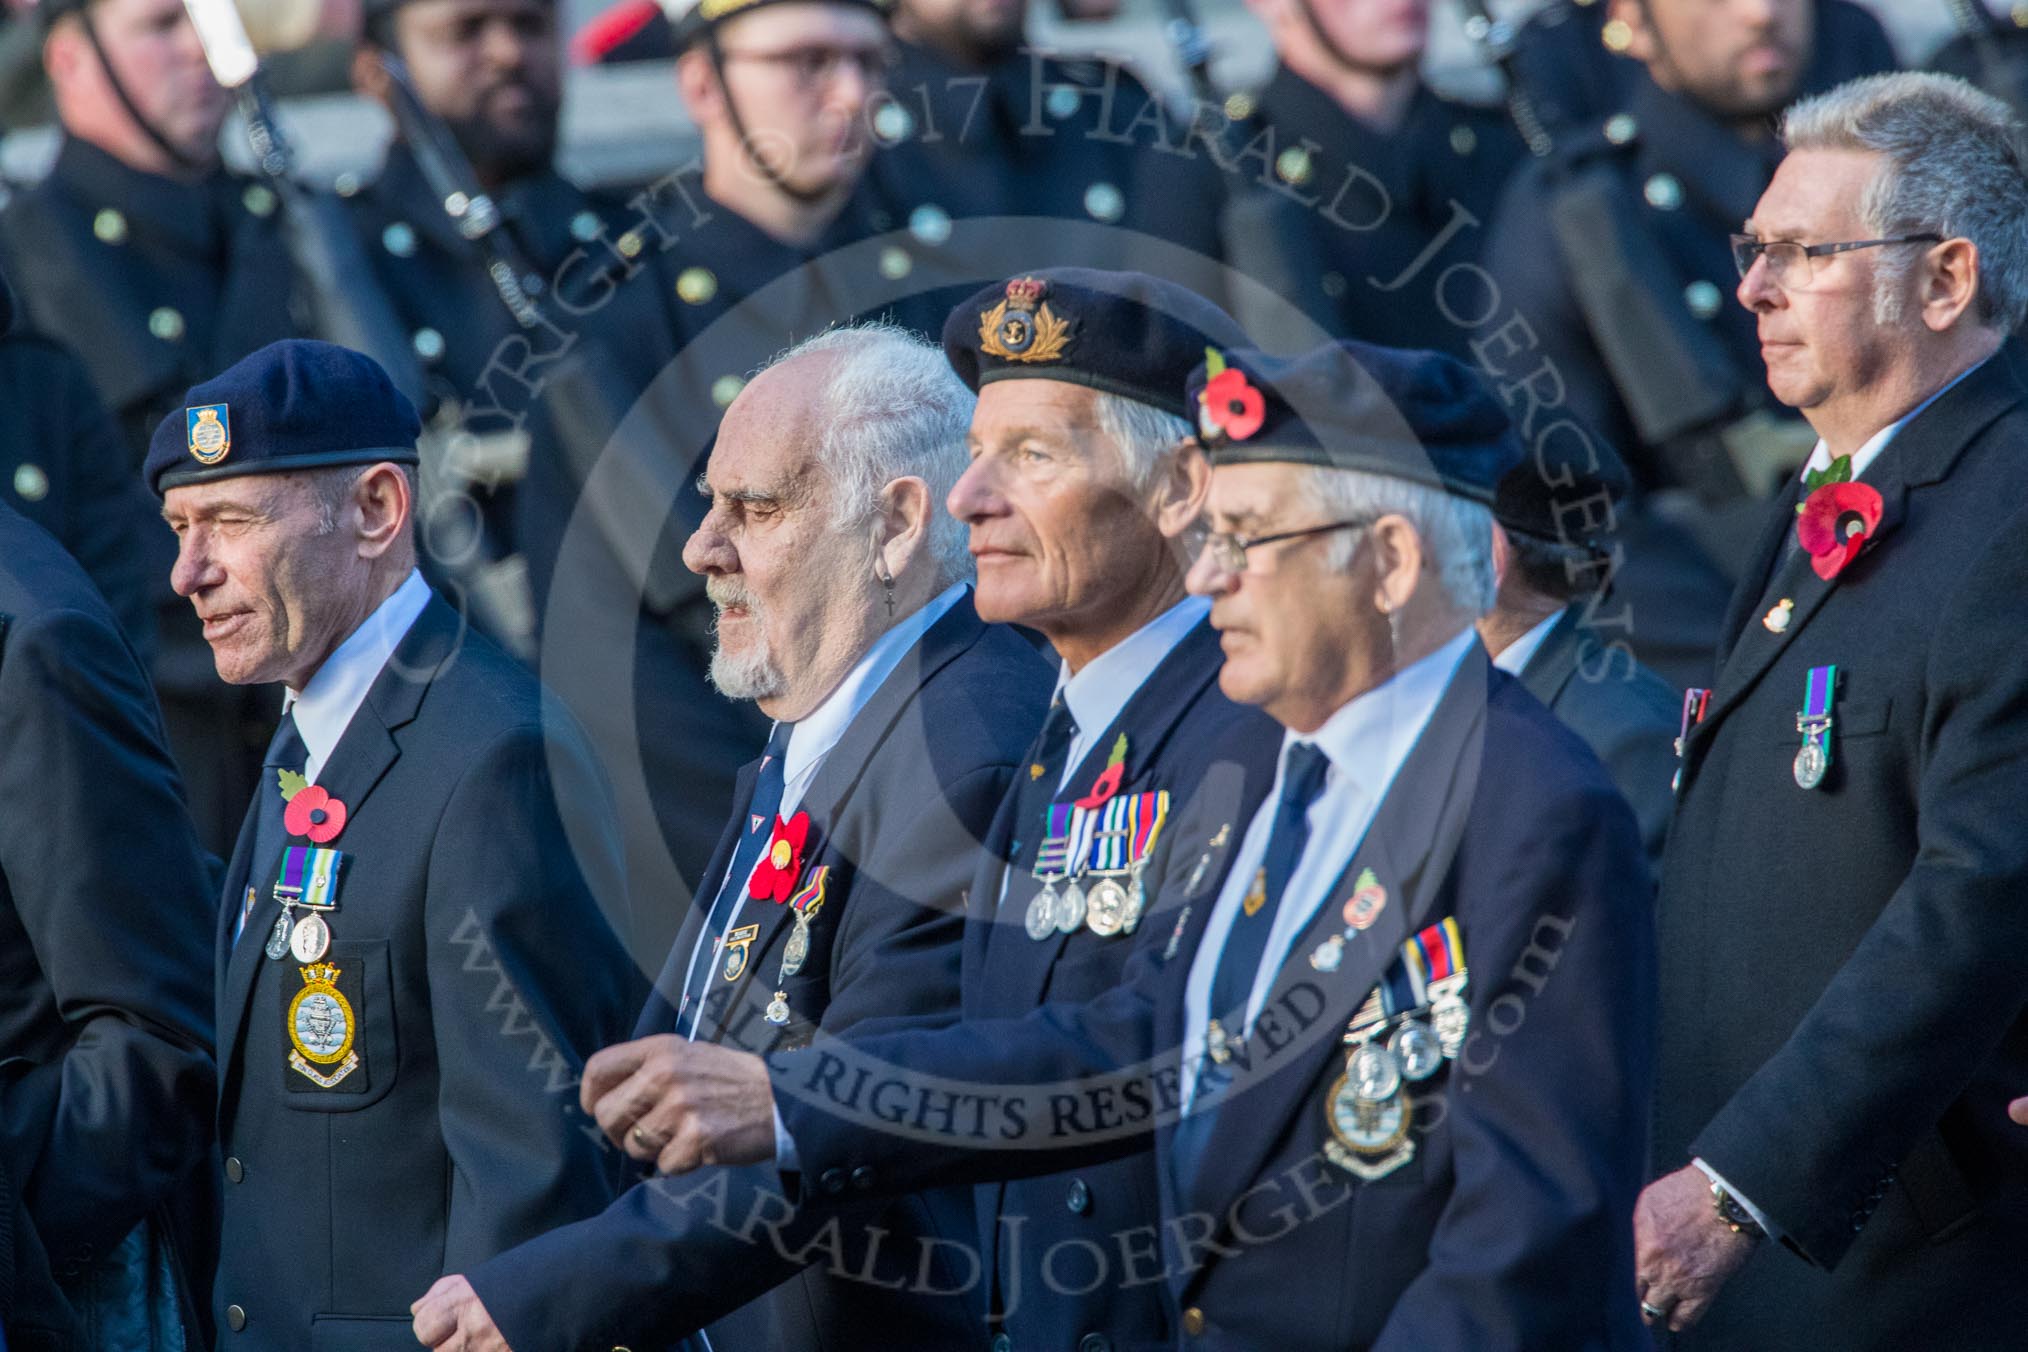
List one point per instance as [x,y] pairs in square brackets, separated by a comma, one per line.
[837,893]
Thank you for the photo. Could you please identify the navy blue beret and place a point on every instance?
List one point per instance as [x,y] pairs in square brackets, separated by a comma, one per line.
[1419,416]
[1555,493]
[1124,333]
[296,404]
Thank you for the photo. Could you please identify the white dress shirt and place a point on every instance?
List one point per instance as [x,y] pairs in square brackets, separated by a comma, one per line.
[1514,658]
[1098,693]
[1365,743]
[326,703]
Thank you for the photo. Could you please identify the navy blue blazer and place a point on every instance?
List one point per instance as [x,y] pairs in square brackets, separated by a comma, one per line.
[1178,726]
[897,814]
[106,1075]
[1509,1227]
[480,970]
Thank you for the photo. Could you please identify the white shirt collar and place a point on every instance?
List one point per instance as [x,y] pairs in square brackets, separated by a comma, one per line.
[324,707]
[814,735]
[1820,455]
[1514,658]
[1097,694]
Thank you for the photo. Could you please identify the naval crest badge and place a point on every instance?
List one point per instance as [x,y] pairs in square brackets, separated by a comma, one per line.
[322,1027]
[208,432]
[1022,327]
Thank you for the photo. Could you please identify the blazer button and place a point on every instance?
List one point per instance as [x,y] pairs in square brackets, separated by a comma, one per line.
[1094,1342]
[235,1318]
[1079,1200]
[234,1170]
[862,1178]
[832,1181]
[1003,1343]
[1193,1322]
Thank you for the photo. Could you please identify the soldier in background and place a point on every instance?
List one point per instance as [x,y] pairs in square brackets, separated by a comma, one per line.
[982,123]
[158,266]
[1356,169]
[1574,61]
[1613,251]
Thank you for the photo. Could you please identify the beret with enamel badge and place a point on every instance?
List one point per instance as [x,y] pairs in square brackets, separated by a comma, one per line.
[294,405]
[1123,333]
[1418,416]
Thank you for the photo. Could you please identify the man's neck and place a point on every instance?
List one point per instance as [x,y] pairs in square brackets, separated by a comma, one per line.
[1378,99]
[736,183]
[1081,646]
[1848,425]
[1516,613]
[371,599]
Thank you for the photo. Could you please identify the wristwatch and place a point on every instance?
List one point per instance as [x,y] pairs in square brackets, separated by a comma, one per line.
[1733,1216]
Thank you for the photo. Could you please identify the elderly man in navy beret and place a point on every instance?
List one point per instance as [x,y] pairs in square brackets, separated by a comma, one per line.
[1398,1030]
[413,955]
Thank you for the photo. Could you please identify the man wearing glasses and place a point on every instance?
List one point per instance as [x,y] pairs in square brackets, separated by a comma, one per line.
[1843,954]
[1392,1059]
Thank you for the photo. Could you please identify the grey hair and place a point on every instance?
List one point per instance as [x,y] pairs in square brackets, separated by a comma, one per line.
[1953,166]
[1457,535]
[892,407]
[1143,433]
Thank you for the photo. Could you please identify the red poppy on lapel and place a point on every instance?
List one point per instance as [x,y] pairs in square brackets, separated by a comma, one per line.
[1834,524]
[314,813]
[775,876]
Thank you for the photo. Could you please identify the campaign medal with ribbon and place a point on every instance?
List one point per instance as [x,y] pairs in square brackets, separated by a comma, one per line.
[807,901]
[1391,1046]
[1813,758]
[308,878]
[1072,906]
[1125,838]
[1052,866]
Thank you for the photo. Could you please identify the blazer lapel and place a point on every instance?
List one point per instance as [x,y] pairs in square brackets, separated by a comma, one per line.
[1921,453]
[356,765]
[1148,720]
[1409,846]
[658,1015]
[1549,670]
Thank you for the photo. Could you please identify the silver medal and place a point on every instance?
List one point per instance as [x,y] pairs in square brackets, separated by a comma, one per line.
[278,938]
[1418,1050]
[797,950]
[778,1009]
[1374,1072]
[1108,909]
[1070,908]
[310,939]
[1041,917]
[1137,905]
[1811,762]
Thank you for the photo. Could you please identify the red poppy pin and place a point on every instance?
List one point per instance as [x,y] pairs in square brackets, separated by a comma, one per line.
[1837,518]
[775,876]
[312,812]
[1228,408]
[1108,782]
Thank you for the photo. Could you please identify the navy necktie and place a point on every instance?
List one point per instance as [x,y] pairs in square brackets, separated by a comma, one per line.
[760,829]
[1037,787]
[1246,943]
[285,752]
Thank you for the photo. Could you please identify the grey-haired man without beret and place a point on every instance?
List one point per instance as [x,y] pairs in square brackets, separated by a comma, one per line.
[412,957]
[1392,1054]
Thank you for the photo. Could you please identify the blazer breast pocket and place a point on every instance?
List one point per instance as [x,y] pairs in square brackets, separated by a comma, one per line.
[338,1034]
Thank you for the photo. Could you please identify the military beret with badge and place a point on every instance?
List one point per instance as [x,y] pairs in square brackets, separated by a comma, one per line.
[1417,416]
[294,405]
[1123,333]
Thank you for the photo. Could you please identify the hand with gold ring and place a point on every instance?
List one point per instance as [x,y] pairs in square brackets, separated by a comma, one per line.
[677,1105]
